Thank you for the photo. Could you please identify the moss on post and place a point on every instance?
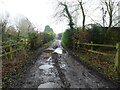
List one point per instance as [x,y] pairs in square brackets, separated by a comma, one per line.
[91,46]
[117,58]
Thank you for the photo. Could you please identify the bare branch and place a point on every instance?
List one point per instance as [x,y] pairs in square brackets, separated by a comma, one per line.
[116,23]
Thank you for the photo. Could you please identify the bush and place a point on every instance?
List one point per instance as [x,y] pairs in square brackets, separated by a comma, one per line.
[81,36]
[32,38]
[47,37]
[99,35]
[111,36]
[102,35]
[67,38]
[96,34]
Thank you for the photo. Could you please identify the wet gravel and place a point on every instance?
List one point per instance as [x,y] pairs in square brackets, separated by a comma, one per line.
[59,71]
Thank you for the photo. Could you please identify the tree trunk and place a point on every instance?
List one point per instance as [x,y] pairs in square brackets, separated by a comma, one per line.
[83,13]
[69,17]
[110,21]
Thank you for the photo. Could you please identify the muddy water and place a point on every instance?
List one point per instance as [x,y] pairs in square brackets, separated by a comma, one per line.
[45,67]
[48,85]
[61,72]
[58,50]
[49,66]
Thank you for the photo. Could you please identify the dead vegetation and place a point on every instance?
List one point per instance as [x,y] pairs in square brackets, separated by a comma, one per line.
[11,68]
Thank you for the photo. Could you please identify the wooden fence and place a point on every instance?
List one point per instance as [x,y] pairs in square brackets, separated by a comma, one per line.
[117,55]
[19,46]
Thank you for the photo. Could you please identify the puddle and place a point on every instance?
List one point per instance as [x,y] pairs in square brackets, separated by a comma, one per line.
[58,50]
[46,57]
[48,85]
[62,66]
[45,67]
[50,50]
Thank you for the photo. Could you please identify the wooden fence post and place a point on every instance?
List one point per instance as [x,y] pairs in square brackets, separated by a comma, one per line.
[11,53]
[77,44]
[117,57]
[91,45]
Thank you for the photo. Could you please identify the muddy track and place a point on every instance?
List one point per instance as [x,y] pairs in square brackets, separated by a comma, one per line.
[62,76]
[25,70]
[93,70]
[54,67]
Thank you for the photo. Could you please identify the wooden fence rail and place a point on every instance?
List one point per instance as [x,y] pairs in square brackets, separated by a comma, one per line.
[117,56]
[11,51]
[101,45]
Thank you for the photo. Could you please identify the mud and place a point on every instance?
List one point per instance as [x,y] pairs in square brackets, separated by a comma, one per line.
[46,58]
[55,68]
[61,74]
[48,51]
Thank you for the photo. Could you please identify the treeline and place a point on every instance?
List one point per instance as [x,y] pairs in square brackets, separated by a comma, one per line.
[101,31]
[95,34]
[21,31]
[24,30]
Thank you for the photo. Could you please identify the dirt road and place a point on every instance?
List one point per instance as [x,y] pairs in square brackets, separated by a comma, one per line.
[60,71]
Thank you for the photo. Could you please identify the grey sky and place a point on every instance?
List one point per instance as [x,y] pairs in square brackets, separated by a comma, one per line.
[40,12]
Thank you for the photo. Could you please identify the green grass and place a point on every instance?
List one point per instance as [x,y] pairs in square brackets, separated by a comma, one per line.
[111,73]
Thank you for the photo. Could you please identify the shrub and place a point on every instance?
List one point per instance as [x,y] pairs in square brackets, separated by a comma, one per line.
[67,38]
[48,37]
[32,38]
[96,34]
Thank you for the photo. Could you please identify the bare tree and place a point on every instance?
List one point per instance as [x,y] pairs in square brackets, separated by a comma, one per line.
[24,26]
[64,12]
[83,13]
[103,16]
[111,7]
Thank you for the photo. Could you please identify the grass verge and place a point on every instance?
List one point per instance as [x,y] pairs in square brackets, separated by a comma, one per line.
[100,65]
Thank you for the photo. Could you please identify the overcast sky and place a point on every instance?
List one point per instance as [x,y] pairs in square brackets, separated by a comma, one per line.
[40,12]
